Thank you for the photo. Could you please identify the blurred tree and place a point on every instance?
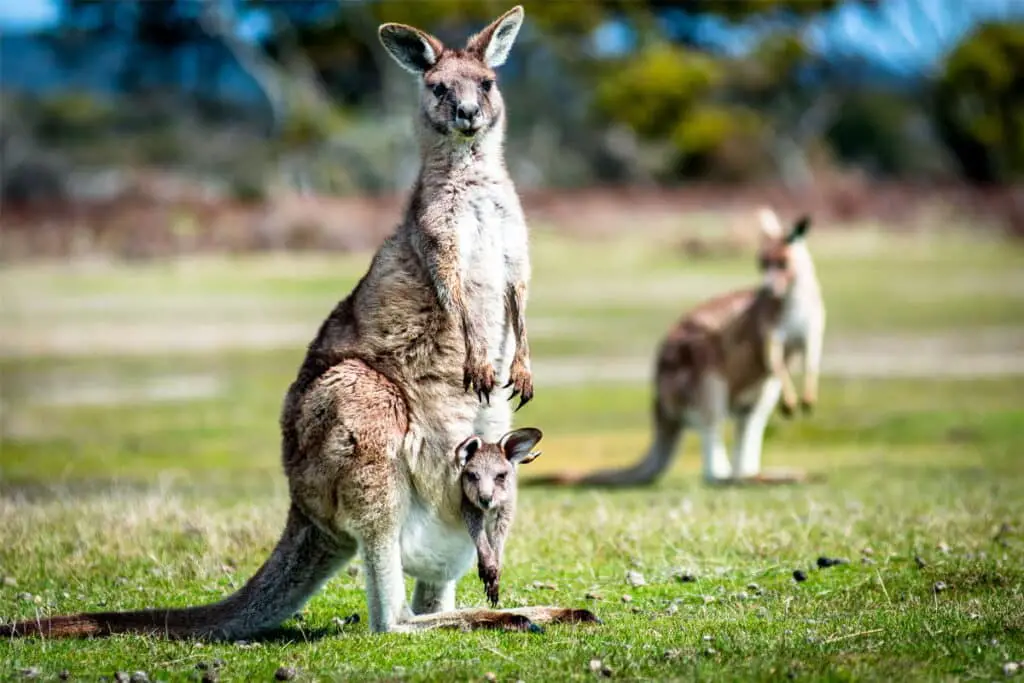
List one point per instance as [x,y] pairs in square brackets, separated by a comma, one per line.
[979,103]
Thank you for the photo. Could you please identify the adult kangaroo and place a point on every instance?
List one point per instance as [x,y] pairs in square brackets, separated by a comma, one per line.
[371,424]
[728,358]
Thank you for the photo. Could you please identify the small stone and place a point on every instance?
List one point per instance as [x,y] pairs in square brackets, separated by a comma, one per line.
[210,677]
[707,638]
[710,652]
[742,595]
[30,672]
[490,676]
[10,581]
[708,599]
[943,548]
[121,677]
[685,577]
[284,673]
[867,551]
[866,561]
[218,662]
[627,598]
[600,668]
[799,575]
[635,610]
[672,608]
[939,587]
[139,677]
[64,674]
[635,579]
[352,571]
[672,654]
[755,588]
[1010,668]
[921,564]
[27,597]
[593,596]
[825,562]
[544,585]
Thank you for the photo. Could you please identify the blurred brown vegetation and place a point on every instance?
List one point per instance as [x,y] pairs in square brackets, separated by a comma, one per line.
[166,130]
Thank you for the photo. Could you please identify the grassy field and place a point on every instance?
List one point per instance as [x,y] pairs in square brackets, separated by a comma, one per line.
[139,467]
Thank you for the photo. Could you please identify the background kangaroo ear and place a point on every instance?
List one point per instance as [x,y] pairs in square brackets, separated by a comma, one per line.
[770,226]
[493,43]
[518,445]
[800,230]
[467,449]
[415,51]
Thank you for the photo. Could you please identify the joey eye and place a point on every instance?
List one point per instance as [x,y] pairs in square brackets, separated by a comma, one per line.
[487,84]
[499,479]
[439,90]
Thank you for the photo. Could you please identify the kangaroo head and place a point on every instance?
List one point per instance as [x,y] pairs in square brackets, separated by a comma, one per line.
[783,257]
[488,469]
[459,97]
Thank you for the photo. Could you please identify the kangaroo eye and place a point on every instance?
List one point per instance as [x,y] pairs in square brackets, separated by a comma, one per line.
[439,90]
[472,476]
[487,84]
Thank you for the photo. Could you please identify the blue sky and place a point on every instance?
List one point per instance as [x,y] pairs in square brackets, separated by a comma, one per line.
[903,35]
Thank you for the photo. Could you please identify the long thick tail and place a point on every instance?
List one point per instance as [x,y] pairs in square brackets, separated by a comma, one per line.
[667,433]
[301,562]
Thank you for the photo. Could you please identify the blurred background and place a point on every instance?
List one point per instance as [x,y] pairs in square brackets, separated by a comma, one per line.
[188,187]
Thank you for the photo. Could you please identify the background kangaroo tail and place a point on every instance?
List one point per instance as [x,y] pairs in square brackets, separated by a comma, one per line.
[302,561]
[667,432]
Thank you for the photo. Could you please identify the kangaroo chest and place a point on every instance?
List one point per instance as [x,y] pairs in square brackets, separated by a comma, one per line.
[488,241]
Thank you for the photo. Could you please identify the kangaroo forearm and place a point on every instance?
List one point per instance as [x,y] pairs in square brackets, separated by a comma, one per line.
[516,297]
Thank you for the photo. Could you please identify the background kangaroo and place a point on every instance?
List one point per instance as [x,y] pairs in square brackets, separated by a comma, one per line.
[729,357]
[370,423]
[489,496]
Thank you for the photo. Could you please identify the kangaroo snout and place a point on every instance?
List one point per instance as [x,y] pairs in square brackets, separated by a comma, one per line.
[466,115]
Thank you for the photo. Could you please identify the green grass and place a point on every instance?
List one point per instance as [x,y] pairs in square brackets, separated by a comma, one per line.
[112,499]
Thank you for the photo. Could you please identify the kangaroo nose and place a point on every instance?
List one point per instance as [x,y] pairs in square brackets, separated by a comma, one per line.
[467,111]
[485,502]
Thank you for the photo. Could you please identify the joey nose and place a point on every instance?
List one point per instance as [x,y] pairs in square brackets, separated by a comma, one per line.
[485,502]
[467,111]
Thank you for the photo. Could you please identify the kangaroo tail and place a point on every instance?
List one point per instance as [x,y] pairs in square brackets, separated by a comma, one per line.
[667,433]
[302,561]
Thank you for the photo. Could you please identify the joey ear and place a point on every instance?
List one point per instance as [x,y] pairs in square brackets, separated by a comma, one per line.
[493,44]
[467,449]
[800,230]
[415,51]
[771,228]
[518,445]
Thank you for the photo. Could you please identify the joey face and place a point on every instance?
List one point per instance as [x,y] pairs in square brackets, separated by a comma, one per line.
[777,257]
[459,96]
[488,469]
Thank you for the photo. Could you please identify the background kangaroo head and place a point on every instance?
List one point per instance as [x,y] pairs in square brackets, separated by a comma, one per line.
[783,257]
[488,469]
[459,95]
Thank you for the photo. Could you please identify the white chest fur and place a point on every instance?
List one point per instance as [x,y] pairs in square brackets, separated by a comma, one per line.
[432,550]
[487,234]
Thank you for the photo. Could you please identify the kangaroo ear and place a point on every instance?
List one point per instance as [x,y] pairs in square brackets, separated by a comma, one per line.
[493,43]
[415,51]
[518,445]
[800,230]
[467,449]
[771,228]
